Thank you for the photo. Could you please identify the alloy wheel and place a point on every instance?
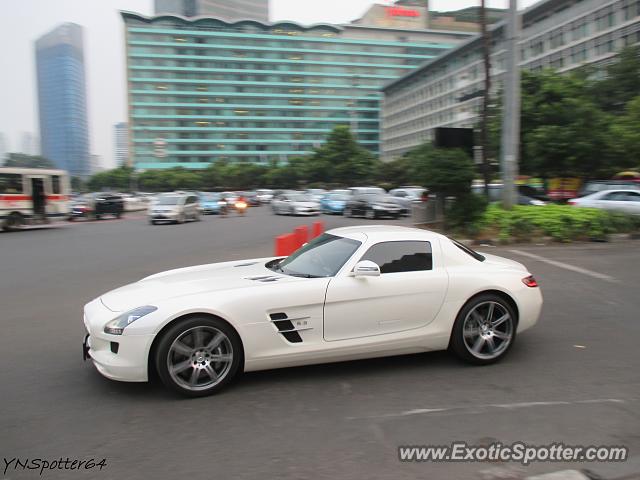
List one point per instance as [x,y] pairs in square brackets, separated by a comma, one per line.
[488,330]
[200,358]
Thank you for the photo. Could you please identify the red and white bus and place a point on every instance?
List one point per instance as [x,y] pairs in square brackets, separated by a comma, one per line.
[32,196]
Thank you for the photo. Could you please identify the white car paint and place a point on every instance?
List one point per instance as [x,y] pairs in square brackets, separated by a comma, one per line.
[361,317]
[295,204]
[625,201]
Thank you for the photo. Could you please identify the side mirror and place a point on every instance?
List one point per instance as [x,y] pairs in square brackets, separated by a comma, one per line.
[366,268]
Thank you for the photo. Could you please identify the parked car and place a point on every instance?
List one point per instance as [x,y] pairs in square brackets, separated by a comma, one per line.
[372,205]
[209,202]
[294,204]
[407,196]
[315,193]
[625,201]
[264,195]
[348,294]
[334,203]
[526,195]
[358,190]
[175,208]
[252,199]
[593,186]
[97,205]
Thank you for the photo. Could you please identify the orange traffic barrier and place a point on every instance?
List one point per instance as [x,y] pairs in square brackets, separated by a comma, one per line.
[285,244]
[302,235]
[318,228]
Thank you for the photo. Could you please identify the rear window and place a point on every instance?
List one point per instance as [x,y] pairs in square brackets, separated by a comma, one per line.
[468,250]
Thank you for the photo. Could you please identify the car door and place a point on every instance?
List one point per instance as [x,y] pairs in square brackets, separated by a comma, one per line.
[407,295]
[632,203]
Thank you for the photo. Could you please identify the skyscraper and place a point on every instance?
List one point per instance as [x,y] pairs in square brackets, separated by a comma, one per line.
[230,10]
[121,138]
[3,149]
[62,99]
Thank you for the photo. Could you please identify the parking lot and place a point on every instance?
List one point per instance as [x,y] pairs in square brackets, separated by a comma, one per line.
[572,379]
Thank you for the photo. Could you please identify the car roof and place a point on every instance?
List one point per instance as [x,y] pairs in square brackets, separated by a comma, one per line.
[386,232]
[616,190]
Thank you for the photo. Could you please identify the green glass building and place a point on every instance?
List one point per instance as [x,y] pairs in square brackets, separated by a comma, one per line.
[202,90]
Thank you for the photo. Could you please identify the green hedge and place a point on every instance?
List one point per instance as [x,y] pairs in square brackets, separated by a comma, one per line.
[563,223]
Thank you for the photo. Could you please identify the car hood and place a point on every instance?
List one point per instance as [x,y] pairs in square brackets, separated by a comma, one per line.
[192,280]
[305,204]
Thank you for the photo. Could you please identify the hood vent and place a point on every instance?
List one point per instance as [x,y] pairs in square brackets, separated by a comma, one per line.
[245,264]
[267,278]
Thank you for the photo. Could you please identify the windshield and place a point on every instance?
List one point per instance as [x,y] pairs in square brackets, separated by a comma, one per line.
[301,198]
[323,256]
[209,197]
[338,197]
[168,200]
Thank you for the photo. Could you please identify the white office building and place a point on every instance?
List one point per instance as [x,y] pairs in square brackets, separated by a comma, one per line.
[447,91]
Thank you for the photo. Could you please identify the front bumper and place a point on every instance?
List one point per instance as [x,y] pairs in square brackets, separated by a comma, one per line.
[166,216]
[128,360]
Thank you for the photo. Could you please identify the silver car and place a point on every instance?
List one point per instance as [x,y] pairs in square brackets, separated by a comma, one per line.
[174,208]
[294,204]
[406,197]
[625,201]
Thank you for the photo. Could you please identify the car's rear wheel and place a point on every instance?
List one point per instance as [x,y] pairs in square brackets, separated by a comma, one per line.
[198,356]
[347,213]
[370,214]
[484,330]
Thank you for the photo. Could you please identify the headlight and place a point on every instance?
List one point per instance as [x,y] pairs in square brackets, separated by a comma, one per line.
[117,325]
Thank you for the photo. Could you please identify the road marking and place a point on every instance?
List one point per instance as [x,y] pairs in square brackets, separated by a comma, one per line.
[478,409]
[566,266]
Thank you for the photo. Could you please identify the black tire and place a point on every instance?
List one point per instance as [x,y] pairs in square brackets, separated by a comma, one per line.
[13,221]
[163,351]
[347,213]
[153,222]
[457,342]
[370,214]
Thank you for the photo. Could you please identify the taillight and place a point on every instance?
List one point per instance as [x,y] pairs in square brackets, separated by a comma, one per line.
[530,281]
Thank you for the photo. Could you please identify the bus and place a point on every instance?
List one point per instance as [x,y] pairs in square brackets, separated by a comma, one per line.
[32,196]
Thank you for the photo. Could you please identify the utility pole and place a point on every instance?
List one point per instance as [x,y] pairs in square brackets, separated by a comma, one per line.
[511,114]
[484,128]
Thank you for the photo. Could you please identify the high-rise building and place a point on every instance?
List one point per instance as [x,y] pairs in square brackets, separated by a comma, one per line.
[121,143]
[205,90]
[447,92]
[62,99]
[229,10]
[3,149]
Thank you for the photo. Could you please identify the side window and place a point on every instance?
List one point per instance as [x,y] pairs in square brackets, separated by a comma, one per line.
[633,197]
[55,185]
[400,194]
[393,257]
[613,196]
[10,183]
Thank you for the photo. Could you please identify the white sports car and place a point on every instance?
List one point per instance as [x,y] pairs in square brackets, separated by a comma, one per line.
[351,293]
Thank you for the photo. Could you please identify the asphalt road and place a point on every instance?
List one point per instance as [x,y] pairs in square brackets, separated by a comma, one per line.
[572,379]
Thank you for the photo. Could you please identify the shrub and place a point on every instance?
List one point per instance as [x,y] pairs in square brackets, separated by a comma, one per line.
[563,223]
[465,213]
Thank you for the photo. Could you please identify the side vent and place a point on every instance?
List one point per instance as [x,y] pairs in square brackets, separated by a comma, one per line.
[286,328]
[245,264]
[268,278]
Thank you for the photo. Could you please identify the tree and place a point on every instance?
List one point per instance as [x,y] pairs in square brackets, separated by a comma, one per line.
[563,130]
[445,171]
[23,160]
[620,84]
[626,132]
[340,160]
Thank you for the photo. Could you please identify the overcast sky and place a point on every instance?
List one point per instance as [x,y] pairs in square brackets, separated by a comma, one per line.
[26,20]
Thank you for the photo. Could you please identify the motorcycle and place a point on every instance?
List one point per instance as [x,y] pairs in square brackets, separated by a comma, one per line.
[241,207]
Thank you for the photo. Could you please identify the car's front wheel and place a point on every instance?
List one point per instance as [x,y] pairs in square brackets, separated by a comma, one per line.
[198,356]
[484,330]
